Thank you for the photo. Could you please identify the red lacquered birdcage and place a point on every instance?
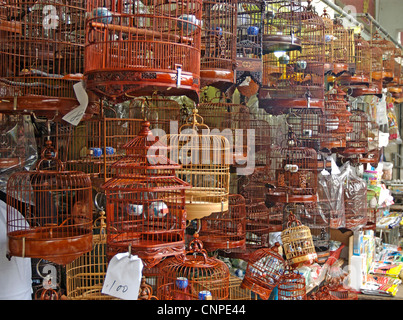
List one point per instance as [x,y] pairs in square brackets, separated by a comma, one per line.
[138,48]
[300,83]
[49,211]
[388,58]
[292,285]
[145,202]
[218,44]
[322,293]
[226,229]
[264,271]
[42,56]
[250,15]
[193,276]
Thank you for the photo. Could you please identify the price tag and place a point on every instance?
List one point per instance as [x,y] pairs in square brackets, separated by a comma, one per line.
[123,276]
[74,116]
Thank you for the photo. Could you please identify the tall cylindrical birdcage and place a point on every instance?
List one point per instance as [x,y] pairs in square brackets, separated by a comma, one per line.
[138,48]
[388,49]
[193,276]
[41,56]
[49,211]
[295,79]
[218,44]
[145,202]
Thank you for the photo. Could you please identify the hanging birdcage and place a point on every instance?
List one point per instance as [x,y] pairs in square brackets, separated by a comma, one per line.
[297,242]
[292,285]
[386,74]
[42,56]
[250,15]
[218,44]
[205,158]
[264,271]
[294,170]
[225,230]
[252,187]
[139,48]
[145,202]
[49,211]
[295,79]
[193,276]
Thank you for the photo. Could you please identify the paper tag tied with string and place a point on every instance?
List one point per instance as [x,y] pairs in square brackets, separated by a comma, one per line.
[74,116]
[123,276]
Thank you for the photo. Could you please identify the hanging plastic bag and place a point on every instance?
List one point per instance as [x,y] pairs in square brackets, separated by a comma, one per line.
[394,135]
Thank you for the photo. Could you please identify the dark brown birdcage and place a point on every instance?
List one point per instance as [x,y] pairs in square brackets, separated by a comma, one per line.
[226,229]
[193,276]
[49,211]
[145,202]
[292,285]
[252,187]
[218,44]
[250,15]
[297,77]
[264,271]
[42,55]
[139,48]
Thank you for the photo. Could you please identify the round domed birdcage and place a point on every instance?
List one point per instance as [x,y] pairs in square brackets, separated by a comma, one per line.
[264,271]
[145,202]
[205,158]
[218,44]
[138,48]
[49,211]
[292,285]
[193,276]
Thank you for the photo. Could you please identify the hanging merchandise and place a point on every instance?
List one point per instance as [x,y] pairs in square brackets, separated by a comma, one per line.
[394,134]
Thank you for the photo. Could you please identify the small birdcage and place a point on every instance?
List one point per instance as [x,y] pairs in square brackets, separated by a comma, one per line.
[294,170]
[388,49]
[292,285]
[49,211]
[139,48]
[298,77]
[250,15]
[218,44]
[145,202]
[42,56]
[264,271]
[193,276]
[205,158]
[225,230]
[297,243]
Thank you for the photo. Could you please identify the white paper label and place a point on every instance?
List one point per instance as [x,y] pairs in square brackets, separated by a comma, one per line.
[74,116]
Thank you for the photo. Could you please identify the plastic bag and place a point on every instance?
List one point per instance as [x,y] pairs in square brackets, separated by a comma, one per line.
[394,135]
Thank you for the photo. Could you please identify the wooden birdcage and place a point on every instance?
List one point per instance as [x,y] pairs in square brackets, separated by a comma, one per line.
[194,276]
[86,274]
[218,44]
[225,230]
[388,49]
[139,48]
[264,271]
[294,171]
[297,243]
[250,15]
[298,77]
[145,202]
[292,285]
[322,293]
[252,187]
[49,211]
[205,158]
[42,56]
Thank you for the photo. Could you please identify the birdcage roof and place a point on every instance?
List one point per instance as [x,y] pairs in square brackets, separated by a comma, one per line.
[145,140]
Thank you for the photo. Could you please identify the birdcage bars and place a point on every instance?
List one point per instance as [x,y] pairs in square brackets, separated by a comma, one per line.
[218,44]
[49,211]
[145,202]
[205,158]
[292,285]
[138,48]
[194,276]
[386,74]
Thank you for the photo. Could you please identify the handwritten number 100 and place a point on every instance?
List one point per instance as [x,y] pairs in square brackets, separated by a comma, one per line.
[124,288]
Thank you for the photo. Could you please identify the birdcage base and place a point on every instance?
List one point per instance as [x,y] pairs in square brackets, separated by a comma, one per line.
[356,91]
[277,42]
[255,285]
[212,243]
[330,145]
[347,79]
[116,85]
[281,105]
[382,76]
[6,163]
[218,78]
[336,69]
[89,293]
[50,244]
[283,197]
[296,262]
[200,209]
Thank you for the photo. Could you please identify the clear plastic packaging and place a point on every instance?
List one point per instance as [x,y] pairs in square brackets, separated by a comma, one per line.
[387,172]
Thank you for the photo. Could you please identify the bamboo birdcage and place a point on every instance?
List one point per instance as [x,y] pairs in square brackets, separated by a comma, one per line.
[142,47]
[194,276]
[386,74]
[300,80]
[205,158]
[218,44]
[250,15]
[145,201]
[226,229]
[292,285]
[264,271]
[49,211]
[41,56]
